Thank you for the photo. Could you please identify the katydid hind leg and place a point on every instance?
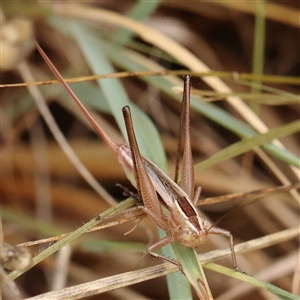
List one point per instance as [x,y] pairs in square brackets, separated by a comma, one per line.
[144,184]
[184,144]
[114,146]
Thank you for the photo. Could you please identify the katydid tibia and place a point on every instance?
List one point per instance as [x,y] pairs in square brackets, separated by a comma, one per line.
[170,204]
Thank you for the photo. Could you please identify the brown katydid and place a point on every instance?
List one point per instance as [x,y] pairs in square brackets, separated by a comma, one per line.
[170,204]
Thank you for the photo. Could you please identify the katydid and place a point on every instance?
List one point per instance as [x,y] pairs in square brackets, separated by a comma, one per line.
[170,204]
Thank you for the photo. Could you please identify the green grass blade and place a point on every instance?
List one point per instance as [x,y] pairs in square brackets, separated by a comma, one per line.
[252,280]
[259,42]
[107,246]
[248,144]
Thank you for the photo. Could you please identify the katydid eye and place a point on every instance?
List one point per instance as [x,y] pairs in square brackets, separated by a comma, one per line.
[187,235]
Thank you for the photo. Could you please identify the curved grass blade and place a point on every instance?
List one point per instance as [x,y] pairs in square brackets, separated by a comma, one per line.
[140,11]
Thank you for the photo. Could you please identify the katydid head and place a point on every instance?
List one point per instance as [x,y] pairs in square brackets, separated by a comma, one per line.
[192,236]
